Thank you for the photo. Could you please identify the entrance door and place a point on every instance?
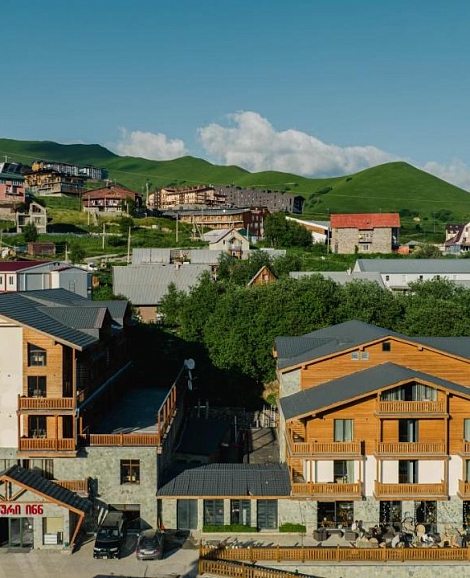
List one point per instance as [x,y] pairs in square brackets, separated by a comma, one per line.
[20,532]
[187,514]
[267,514]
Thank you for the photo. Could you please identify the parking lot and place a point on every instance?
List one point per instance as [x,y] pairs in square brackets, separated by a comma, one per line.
[179,559]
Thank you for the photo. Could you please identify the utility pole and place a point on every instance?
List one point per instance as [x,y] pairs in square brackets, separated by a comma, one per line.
[177,226]
[129,246]
[104,234]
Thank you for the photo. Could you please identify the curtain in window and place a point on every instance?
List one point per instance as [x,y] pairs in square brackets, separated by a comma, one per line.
[466,429]
[344,430]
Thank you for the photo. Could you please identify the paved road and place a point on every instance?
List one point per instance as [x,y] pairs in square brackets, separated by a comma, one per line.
[81,564]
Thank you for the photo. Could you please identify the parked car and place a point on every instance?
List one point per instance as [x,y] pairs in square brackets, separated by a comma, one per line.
[110,536]
[150,545]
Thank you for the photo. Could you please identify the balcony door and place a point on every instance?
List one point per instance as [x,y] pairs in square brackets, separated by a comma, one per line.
[408,430]
[408,472]
[344,430]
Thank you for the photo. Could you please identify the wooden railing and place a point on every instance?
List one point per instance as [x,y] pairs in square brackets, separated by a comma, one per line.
[327,489]
[464,488]
[48,444]
[406,407]
[410,490]
[333,555]
[45,403]
[328,448]
[411,448]
[466,447]
[73,485]
[123,439]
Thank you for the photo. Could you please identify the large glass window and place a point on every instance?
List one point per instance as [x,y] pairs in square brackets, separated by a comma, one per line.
[344,430]
[391,513]
[240,512]
[408,430]
[267,514]
[36,356]
[411,391]
[343,471]
[466,430]
[425,512]
[37,426]
[213,512]
[37,386]
[333,514]
[408,472]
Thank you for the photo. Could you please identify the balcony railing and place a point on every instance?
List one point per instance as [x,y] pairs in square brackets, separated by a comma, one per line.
[411,490]
[326,489]
[327,448]
[45,403]
[121,439]
[410,448]
[464,489]
[46,444]
[73,485]
[412,407]
[466,447]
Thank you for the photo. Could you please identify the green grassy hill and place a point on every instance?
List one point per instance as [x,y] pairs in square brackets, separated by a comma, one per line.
[390,187]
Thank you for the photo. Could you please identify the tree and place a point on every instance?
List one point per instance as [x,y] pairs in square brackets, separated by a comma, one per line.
[171,305]
[275,228]
[30,233]
[77,253]
[125,223]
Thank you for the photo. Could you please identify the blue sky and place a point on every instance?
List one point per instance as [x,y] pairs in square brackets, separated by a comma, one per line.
[314,87]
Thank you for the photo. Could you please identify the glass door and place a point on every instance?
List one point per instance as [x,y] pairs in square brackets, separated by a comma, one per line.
[20,533]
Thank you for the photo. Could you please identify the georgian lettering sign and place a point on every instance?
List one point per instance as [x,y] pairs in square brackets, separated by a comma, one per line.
[21,509]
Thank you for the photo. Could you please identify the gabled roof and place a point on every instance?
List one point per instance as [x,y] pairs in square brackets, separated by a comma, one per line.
[431,266]
[341,277]
[293,351]
[11,266]
[111,191]
[147,284]
[365,220]
[61,314]
[230,480]
[226,233]
[263,269]
[358,384]
[34,482]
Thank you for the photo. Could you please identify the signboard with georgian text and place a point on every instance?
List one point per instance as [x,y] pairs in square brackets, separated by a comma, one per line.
[21,509]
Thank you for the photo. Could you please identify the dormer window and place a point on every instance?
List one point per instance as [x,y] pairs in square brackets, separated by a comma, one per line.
[37,356]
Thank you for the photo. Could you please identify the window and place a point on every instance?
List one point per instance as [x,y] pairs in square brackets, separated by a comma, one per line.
[387,277]
[411,391]
[213,512]
[407,472]
[343,471]
[386,346]
[11,280]
[332,514]
[36,356]
[240,512]
[391,513]
[408,430]
[467,470]
[364,355]
[267,514]
[425,512]
[36,386]
[37,426]
[43,467]
[130,471]
[344,430]
[355,355]
[466,430]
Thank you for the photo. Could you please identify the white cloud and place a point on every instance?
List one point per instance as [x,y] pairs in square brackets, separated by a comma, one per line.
[148,145]
[457,173]
[253,143]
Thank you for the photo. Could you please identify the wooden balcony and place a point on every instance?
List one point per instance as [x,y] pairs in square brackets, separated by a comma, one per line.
[414,408]
[411,491]
[465,448]
[411,449]
[120,440]
[45,404]
[334,449]
[464,490]
[79,486]
[46,445]
[328,490]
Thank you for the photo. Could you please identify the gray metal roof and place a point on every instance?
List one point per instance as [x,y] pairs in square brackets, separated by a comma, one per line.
[355,385]
[336,338]
[37,483]
[406,265]
[148,284]
[226,480]
[88,319]
[341,277]
[20,308]
[150,255]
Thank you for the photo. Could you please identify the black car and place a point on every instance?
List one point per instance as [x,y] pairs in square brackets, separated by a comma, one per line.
[150,545]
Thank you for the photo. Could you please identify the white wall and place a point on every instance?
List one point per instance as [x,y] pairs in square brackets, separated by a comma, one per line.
[325,471]
[370,474]
[389,471]
[430,471]
[456,473]
[11,380]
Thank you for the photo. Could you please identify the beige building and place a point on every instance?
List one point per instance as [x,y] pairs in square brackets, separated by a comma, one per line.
[365,232]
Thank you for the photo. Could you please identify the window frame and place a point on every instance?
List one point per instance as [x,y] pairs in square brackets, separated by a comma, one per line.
[129,472]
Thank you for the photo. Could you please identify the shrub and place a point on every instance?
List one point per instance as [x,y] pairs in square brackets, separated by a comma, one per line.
[229,528]
[290,527]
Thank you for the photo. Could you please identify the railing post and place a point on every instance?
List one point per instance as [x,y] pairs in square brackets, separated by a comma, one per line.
[278,554]
[243,570]
[337,553]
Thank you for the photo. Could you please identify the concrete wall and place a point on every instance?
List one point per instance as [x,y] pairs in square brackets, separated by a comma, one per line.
[347,241]
[11,381]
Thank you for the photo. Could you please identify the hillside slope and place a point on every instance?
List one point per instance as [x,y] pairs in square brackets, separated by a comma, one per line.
[389,187]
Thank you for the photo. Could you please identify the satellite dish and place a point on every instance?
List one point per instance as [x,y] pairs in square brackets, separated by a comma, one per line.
[189,363]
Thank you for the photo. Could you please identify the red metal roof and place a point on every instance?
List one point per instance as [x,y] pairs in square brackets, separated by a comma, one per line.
[112,191]
[7,266]
[365,220]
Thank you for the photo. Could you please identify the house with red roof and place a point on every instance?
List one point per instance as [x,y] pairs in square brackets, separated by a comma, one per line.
[365,232]
[110,200]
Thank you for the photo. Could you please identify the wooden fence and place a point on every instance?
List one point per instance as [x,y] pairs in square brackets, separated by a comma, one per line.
[236,570]
[334,555]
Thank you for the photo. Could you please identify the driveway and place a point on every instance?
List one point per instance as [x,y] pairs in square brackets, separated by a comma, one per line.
[180,559]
